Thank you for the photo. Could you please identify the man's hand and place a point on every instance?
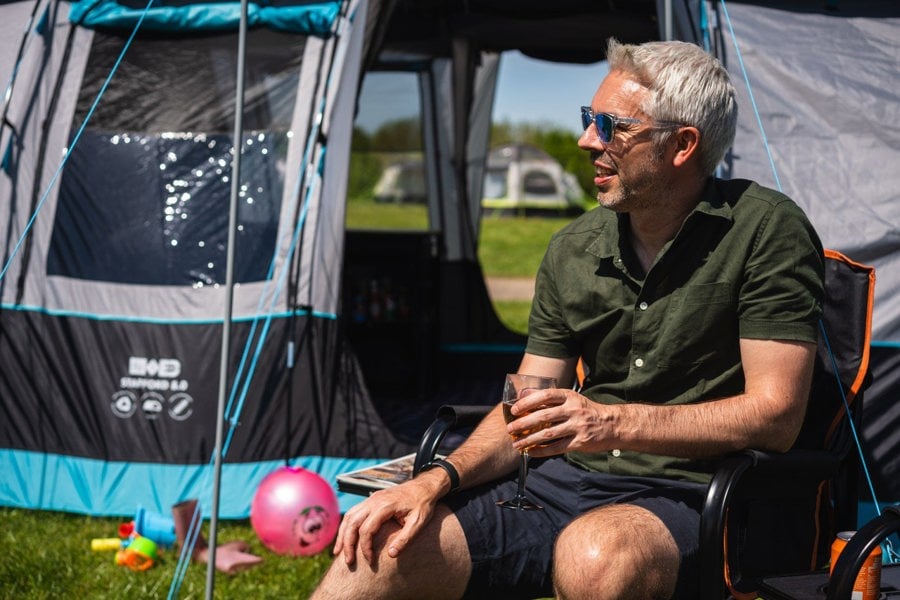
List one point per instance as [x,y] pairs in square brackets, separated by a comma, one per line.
[560,420]
[405,509]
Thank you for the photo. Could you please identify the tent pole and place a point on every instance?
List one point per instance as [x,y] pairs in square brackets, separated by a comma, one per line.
[668,21]
[237,146]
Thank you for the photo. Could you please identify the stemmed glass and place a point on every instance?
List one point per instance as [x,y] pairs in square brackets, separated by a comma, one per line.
[517,387]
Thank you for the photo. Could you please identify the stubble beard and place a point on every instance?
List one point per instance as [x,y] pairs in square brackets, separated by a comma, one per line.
[640,190]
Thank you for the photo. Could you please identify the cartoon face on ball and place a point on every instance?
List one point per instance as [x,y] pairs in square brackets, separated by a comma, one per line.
[308,525]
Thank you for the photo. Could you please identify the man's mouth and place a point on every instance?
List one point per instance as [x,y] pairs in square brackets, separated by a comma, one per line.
[603,176]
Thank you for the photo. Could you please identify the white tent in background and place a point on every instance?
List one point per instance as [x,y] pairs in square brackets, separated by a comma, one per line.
[402,182]
[522,177]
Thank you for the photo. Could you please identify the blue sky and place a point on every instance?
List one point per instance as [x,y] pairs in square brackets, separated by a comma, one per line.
[528,91]
[535,91]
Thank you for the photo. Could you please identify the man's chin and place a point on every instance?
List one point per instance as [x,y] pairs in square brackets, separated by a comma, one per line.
[609,201]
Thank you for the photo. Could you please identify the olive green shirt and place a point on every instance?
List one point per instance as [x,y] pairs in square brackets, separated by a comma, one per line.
[745,264]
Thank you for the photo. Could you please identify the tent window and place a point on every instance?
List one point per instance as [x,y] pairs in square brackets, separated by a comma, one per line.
[387,186]
[144,196]
[167,84]
[539,183]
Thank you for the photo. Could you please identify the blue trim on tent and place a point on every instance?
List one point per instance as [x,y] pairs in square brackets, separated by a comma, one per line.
[35,480]
[885,344]
[159,321]
[310,19]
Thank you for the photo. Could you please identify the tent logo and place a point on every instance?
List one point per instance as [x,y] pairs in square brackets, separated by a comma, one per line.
[168,368]
[145,389]
[123,404]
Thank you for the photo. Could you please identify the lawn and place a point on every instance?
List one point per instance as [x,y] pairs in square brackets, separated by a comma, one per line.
[47,555]
[508,246]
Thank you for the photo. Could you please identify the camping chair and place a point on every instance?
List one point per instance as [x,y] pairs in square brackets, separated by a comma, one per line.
[757,501]
[858,548]
[839,586]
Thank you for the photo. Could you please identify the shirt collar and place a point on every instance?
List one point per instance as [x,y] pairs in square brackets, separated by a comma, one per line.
[712,203]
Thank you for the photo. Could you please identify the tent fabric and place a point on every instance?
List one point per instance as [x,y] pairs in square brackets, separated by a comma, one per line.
[307,18]
[113,307]
[831,122]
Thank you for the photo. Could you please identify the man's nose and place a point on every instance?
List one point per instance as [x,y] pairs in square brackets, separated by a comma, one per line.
[590,139]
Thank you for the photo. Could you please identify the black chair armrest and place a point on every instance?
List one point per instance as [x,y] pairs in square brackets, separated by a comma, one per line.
[448,418]
[767,475]
[858,549]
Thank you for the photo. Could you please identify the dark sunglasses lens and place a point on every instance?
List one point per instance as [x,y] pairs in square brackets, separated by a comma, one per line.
[603,122]
[585,118]
[604,127]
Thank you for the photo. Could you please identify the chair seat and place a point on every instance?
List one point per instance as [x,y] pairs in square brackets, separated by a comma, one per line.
[813,586]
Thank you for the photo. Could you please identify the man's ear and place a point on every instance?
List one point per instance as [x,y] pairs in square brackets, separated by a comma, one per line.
[687,141]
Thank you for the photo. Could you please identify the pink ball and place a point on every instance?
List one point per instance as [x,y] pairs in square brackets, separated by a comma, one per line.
[294,511]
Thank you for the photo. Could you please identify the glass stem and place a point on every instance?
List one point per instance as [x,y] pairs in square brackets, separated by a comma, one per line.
[523,471]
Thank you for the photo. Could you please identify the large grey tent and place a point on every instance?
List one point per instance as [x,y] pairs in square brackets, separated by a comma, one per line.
[112,292]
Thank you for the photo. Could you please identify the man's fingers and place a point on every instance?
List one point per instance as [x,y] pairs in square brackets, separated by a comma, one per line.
[370,526]
[348,540]
[398,541]
[381,519]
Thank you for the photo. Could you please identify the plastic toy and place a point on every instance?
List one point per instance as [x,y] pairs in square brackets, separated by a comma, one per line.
[294,511]
[109,544]
[157,527]
[140,554]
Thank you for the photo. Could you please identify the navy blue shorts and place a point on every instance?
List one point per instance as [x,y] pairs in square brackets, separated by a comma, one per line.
[512,551]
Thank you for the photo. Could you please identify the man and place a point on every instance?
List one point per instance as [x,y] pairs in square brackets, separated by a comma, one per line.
[693,303]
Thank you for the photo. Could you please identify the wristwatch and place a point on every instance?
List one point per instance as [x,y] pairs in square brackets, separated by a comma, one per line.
[449,468]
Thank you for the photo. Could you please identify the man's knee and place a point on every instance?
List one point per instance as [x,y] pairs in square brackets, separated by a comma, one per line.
[435,564]
[619,551]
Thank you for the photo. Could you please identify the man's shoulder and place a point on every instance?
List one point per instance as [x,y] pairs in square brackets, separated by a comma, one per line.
[736,191]
[749,199]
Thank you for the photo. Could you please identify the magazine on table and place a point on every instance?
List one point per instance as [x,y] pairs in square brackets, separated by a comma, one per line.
[378,477]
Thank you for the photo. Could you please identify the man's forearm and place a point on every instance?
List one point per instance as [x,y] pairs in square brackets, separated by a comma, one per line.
[707,429]
[487,453]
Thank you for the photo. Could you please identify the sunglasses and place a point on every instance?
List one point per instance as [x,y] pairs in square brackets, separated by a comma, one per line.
[606,123]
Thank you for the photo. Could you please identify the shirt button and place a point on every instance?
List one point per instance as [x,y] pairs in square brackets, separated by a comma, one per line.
[639,362]
[643,305]
[616,452]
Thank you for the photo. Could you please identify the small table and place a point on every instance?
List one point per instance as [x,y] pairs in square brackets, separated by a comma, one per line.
[812,586]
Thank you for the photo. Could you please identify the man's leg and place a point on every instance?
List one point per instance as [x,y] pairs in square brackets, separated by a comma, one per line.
[619,551]
[436,564]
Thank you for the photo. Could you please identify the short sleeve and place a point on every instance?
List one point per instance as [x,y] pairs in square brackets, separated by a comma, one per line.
[783,287]
[548,334]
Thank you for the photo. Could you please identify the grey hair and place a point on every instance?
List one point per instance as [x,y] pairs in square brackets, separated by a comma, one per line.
[687,85]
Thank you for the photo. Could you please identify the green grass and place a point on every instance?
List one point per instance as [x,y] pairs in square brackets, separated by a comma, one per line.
[508,246]
[367,214]
[514,246]
[47,555]
[513,314]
